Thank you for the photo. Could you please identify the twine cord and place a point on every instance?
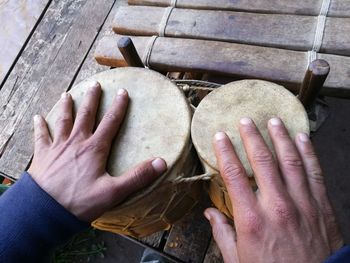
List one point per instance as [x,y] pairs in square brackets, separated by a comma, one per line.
[320,28]
[202,177]
[164,21]
[148,51]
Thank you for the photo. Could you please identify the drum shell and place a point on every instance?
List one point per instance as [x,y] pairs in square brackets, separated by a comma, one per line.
[162,207]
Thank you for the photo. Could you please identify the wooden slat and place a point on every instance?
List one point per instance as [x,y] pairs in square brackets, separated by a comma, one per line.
[270,30]
[338,8]
[46,68]
[213,254]
[236,60]
[189,238]
[17,20]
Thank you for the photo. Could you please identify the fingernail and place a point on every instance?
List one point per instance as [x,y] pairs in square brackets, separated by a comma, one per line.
[93,85]
[207,215]
[159,165]
[64,95]
[303,137]
[275,121]
[121,92]
[246,121]
[220,136]
[36,118]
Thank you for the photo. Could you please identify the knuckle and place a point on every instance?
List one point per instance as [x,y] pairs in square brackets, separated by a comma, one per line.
[63,119]
[292,161]
[310,210]
[310,154]
[111,116]
[262,157]
[39,137]
[84,112]
[328,211]
[219,232]
[316,176]
[231,172]
[283,213]
[96,147]
[138,176]
[251,223]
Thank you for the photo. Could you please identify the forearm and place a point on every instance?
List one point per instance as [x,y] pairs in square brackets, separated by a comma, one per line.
[32,223]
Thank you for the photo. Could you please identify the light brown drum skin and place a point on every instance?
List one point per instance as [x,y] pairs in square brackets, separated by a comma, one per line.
[222,109]
[157,124]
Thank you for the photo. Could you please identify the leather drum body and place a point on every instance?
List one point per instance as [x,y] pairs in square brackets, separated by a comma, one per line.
[157,124]
[222,109]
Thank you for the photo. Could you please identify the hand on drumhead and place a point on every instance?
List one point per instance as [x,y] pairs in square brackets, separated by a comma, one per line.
[289,219]
[72,166]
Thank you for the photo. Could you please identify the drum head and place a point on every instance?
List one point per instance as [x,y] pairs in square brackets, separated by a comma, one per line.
[158,119]
[223,108]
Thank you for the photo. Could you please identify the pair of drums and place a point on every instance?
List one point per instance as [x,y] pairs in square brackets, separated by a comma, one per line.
[159,123]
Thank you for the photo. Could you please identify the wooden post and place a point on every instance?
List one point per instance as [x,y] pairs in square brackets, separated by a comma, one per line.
[314,79]
[128,50]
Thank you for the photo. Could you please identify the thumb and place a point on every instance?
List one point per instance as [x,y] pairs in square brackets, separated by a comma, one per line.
[139,177]
[224,235]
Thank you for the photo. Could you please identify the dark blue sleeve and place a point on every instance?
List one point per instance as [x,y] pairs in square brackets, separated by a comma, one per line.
[342,255]
[32,223]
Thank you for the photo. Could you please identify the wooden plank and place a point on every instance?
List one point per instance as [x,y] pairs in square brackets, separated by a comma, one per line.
[46,68]
[213,254]
[90,67]
[338,8]
[235,60]
[189,238]
[17,20]
[271,30]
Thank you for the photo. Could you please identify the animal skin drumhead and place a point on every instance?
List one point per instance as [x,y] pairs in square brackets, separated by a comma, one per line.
[157,123]
[222,109]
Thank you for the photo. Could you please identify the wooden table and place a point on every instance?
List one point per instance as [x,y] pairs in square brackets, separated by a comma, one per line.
[54,52]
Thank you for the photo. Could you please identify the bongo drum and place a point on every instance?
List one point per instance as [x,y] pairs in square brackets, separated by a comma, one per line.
[222,109]
[157,124]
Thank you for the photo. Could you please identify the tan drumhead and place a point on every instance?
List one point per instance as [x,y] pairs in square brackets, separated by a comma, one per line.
[157,123]
[222,109]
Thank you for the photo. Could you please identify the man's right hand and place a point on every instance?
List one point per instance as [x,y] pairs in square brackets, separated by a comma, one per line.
[289,219]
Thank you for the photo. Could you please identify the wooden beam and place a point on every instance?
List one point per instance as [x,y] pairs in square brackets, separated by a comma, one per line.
[338,8]
[267,30]
[240,61]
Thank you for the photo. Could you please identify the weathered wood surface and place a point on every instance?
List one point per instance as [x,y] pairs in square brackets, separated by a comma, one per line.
[213,254]
[189,239]
[271,30]
[90,67]
[17,20]
[46,68]
[338,8]
[236,60]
